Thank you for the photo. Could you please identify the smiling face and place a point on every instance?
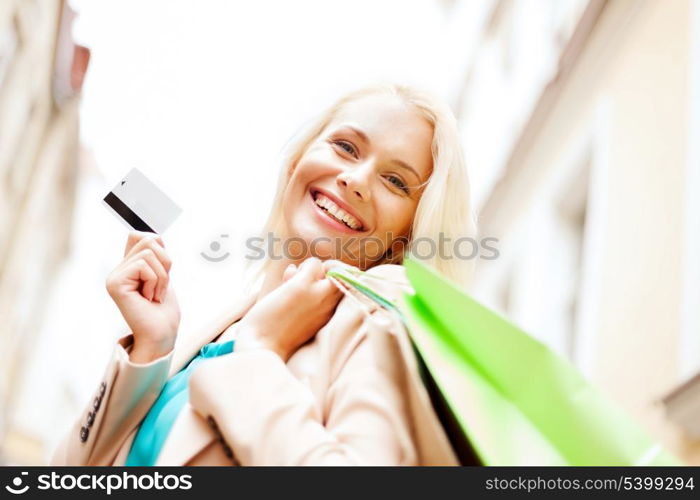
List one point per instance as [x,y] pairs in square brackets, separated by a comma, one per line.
[355,190]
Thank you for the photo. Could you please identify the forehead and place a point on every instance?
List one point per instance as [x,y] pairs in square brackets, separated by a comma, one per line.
[393,127]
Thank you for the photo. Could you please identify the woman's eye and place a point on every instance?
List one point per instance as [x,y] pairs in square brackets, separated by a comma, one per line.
[347,147]
[396,181]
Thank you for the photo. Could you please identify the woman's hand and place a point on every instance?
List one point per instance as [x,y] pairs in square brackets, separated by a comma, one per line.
[139,287]
[290,315]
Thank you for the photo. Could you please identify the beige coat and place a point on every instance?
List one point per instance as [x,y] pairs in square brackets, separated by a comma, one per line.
[352,395]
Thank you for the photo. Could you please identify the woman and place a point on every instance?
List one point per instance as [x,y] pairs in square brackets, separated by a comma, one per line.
[304,371]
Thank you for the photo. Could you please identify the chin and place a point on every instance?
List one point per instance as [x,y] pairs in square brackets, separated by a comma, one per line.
[310,234]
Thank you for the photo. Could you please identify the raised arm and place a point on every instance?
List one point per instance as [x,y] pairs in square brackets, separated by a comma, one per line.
[140,363]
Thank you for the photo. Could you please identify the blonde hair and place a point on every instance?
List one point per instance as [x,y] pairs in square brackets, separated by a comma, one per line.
[444,206]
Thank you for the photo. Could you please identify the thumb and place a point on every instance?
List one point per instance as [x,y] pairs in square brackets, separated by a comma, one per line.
[289,272]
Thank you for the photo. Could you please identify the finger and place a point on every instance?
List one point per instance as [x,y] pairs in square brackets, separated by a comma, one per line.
[331,263]
[136,236]
[151,244]
[147,276]
[138,240]
[289,272]
[132,239]
[311,269]
[149,256]
[327,289]
[145,240]
[160,253]
[311,261]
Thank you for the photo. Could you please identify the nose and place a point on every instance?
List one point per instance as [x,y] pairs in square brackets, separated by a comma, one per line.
[355,182]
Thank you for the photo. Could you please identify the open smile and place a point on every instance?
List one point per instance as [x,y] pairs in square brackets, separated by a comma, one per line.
[333,210]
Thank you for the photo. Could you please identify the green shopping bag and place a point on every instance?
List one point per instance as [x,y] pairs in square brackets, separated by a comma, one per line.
[514,400]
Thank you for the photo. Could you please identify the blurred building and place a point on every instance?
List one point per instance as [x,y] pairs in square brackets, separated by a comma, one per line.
[41,71]
[581,121]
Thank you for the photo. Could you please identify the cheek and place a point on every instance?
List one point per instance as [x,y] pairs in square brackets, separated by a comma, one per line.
[304,174]
[316,163]
[397,216]
[310,169]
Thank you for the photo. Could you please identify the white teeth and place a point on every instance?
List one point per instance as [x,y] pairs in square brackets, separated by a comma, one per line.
[337,213]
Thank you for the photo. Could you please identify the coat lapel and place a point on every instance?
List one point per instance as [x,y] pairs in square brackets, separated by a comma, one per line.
[188,346]
[190,435]
[195,434]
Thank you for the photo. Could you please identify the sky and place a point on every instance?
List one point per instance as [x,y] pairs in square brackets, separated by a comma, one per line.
[203,96]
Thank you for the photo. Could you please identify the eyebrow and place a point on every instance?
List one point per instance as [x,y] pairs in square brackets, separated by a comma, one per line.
[363,137]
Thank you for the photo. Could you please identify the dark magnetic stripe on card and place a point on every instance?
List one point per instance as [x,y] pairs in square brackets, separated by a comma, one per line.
[126,213]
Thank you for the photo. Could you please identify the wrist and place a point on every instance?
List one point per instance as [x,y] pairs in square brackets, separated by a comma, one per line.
[250,340]
[146,352]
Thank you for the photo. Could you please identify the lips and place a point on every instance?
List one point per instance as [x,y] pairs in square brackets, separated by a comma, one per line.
[336,210]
